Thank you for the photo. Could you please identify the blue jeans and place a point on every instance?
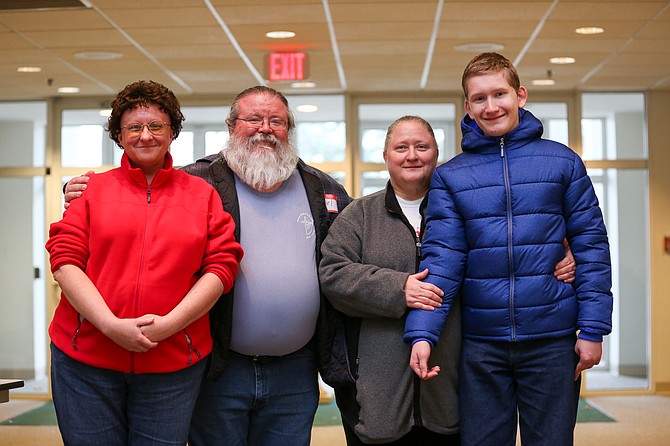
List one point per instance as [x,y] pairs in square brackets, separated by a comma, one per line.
[96,406]
[534,379]
[258,403]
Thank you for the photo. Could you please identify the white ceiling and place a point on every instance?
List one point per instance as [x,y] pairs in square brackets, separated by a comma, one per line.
[204,47]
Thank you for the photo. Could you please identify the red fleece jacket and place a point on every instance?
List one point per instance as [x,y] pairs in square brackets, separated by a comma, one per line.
[143,248]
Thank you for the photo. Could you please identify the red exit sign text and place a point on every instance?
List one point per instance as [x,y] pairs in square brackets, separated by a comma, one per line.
[286,66]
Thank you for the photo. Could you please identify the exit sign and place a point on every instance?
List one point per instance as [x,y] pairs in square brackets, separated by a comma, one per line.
[286,66]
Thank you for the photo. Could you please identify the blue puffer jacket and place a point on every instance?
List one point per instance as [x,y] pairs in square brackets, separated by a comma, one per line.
[496,218]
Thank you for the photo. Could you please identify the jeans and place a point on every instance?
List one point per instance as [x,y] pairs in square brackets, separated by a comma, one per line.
[96,406]
[258,403]
[534,379]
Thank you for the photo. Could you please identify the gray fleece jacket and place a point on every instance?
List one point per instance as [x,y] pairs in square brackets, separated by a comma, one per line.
[368,254]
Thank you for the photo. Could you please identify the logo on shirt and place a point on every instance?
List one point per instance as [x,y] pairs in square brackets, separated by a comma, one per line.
[308,222]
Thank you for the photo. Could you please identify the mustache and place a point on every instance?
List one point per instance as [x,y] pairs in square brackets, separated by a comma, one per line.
[263,138]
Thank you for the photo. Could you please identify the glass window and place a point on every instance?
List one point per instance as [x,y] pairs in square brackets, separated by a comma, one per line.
[82,145]
[373,181]
[84,140]
[23,348]
[374,120]
[320,142]
[22,134]
[554,117]
[613,131]
[613,126]
[320,127]
[182,149]
[215,141]
[338,175]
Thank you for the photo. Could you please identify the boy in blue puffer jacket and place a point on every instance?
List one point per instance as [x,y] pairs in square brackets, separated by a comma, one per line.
[495,221]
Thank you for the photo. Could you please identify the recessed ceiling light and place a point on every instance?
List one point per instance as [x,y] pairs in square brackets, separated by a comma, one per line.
[562,60]
[590,30]
[544,82]
[280,34]
[480,47]
[98,55]
[29,69]
[68,90]
[304,84]
[307,108]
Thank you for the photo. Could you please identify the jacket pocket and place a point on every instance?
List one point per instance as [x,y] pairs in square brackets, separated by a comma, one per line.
[76,332]
[191,348]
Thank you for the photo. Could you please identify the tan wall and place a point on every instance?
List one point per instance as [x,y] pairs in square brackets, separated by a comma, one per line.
[659,204]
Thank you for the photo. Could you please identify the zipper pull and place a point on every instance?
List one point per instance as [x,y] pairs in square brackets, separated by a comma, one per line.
[149,194]
[502,147]
[190,348]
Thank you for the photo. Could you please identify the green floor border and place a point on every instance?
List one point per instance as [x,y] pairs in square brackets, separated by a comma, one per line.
[326,415]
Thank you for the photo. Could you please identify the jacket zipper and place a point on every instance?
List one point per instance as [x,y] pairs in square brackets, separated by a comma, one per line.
[139,273]
[510,255]
[417,262]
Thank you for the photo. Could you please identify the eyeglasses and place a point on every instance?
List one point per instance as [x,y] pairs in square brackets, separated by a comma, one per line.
[155,127]
[256,123]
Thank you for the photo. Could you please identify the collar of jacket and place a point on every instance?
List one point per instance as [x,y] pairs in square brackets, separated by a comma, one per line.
[529,128]
[392,205]
[137,176]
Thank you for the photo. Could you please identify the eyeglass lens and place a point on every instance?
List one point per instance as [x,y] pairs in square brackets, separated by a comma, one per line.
[275,124]
[155,127]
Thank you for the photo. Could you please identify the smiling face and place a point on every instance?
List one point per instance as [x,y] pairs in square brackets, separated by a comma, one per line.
[493,103]
[145,150]
[266,108]
[410,154]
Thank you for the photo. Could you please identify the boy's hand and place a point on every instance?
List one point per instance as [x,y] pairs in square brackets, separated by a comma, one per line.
[75,187]
[418,361]
[589,353]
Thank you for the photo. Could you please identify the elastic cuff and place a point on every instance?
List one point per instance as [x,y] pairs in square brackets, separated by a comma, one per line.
[590,336]
[423,339]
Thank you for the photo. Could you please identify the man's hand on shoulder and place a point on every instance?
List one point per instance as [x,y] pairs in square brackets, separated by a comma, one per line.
[75,187]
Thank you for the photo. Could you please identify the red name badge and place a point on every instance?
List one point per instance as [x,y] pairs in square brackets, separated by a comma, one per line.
[331,203]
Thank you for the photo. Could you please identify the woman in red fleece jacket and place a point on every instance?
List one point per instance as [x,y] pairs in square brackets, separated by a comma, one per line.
[140,258]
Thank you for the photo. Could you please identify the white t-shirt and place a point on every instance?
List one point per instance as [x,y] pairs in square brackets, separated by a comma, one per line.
[411,210]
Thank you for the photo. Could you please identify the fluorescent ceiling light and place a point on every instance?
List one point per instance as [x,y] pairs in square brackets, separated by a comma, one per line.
[590,30]
[306,108]
[305,84]
[544,82]
[480,47]
[68,90]
[98,55]
[29,69]
[562,60]
[280,34]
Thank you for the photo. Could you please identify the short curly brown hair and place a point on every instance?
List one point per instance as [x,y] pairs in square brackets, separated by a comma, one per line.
[144,94]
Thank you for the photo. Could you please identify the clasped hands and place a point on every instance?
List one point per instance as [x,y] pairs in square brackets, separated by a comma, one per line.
[138,334]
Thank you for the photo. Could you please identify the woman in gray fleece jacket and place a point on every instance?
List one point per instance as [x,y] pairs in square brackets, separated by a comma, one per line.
[368,272]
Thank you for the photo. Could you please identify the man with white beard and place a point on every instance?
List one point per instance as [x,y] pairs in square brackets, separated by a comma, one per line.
[275,329]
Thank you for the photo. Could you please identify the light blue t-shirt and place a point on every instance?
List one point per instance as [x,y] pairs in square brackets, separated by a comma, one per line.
[276,298]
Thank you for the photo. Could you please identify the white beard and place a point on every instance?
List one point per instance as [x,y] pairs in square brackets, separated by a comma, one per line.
[261,161]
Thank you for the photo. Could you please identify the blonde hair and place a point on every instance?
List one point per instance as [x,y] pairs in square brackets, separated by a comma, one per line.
[409,118]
